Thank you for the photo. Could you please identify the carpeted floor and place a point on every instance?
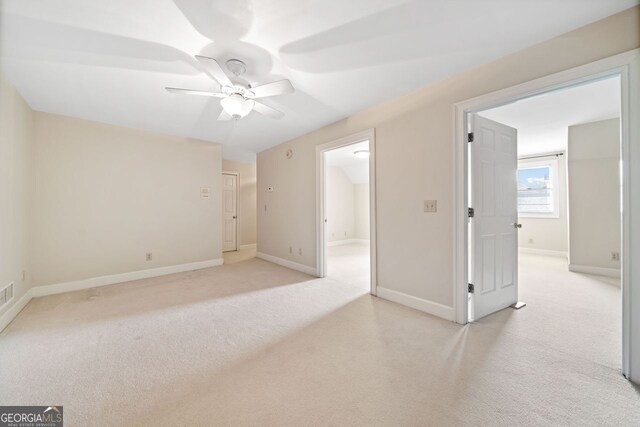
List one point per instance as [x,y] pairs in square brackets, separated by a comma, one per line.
[252,343]
[233,257]
[350,264]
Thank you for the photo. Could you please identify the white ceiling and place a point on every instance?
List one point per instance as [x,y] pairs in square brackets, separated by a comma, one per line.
[542,121]
[110,60]
[357,169]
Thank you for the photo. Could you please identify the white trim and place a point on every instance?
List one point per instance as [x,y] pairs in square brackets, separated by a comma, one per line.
[347,242]
[625,65]
[112,279]
[16,308]
[249,246]
[238,217]
[59,288]
[321,246]
[289,264]
[545,252]
[598,271]
[423,305]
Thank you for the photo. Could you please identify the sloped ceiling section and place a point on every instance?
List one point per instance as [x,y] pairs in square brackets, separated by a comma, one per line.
[356,169]
[543,121]
[110,60]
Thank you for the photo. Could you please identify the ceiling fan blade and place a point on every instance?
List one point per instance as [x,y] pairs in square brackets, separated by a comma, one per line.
[214,70]
[195,92]
[272,89]
[224,116]
[267,111]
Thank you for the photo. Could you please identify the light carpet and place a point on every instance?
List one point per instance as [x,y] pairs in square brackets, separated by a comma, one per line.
[350,264]
[253,343]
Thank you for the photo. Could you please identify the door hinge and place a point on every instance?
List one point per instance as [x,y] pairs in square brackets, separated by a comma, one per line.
[470,137]
[471,288]
[471,212]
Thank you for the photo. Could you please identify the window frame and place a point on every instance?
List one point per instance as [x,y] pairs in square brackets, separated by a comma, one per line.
[552,164]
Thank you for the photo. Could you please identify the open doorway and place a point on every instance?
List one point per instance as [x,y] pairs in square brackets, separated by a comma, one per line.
[346,210]
[347,214]
[545,188]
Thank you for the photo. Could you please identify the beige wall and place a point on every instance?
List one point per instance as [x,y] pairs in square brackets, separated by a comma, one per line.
[361,211]
[107,195]
[594,193]
[549,234]
[247,202]
[340,205]
[414,161]
[16,166]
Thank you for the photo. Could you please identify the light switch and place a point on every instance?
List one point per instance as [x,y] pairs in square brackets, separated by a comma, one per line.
[430,205]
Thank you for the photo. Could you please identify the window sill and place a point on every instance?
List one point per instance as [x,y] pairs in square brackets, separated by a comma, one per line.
[540,215]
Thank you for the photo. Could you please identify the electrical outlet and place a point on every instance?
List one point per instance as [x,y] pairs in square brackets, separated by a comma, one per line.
[300,251]
[615,256]
[24,275]
[345,234]
[431,206]
[265,208]
[149,256]
[290,249]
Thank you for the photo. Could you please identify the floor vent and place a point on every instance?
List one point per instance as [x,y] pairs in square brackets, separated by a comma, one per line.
[6,295]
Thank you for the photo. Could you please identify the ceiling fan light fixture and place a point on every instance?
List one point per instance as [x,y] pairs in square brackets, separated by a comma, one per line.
[237,106]
[361,154]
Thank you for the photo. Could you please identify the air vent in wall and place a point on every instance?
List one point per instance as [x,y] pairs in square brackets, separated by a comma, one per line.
[6,294]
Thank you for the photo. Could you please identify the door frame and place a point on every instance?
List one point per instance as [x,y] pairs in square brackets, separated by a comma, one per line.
[627,67]
[237,174]
[321,258]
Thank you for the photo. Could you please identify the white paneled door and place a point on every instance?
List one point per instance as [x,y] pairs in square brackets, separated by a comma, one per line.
[494,225]
[229,212]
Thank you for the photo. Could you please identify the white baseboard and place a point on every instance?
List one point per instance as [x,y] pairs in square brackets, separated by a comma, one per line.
[289,264]
[346,242]
[424,305]
[546,252]
[598,271]
[111,279]
[249,246]
[16,308]
[93,282]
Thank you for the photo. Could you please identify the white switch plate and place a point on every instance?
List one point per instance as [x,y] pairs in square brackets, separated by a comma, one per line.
[431,206]
[204,193]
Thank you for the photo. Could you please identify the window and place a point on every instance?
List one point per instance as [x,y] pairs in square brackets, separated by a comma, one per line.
[538,189]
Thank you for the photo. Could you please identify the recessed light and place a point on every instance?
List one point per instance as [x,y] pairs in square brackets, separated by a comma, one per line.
[361,154]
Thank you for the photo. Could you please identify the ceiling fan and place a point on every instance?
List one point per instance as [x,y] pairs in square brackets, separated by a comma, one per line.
[237,100]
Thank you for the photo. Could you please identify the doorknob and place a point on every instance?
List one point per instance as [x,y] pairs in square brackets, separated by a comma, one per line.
[234,217]
[516,225]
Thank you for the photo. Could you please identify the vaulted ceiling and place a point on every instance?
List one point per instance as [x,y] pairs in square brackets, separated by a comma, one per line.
[110,60]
